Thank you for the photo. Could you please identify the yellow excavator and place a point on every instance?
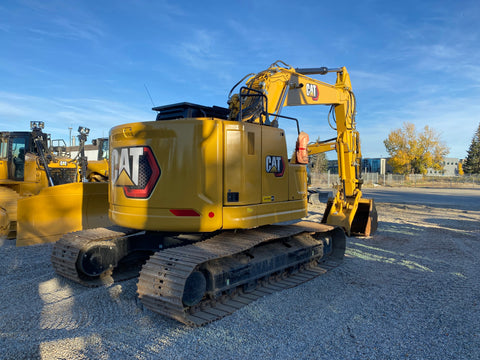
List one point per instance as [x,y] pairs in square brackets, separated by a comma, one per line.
[209,196]
[42,195]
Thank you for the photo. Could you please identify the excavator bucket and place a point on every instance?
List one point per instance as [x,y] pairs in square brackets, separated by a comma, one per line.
[365,219]
[60,209]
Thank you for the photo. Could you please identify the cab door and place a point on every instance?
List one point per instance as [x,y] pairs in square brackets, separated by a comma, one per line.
[16,157]
[274,165]
[4,158]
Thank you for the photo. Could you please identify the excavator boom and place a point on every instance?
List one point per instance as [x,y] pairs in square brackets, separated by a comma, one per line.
[282,85]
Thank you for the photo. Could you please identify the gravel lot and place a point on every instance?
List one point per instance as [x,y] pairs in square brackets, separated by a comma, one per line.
[411,291]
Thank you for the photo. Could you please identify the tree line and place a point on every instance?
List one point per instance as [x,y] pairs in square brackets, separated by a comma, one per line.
[413,152]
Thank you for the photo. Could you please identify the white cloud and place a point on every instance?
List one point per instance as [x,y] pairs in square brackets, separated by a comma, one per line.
[201,51]
[57,20]
[68,29]
[17,110]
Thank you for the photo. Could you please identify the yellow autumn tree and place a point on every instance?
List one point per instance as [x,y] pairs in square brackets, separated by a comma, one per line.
[413,153]
[460,168]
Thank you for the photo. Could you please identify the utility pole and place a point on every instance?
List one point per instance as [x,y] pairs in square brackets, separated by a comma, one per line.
[70,136]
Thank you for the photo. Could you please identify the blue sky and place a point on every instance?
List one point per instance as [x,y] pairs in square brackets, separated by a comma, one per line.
[87,63]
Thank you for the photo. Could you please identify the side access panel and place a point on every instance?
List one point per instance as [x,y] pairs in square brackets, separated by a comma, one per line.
[275,169]
[297,182]
[243,151]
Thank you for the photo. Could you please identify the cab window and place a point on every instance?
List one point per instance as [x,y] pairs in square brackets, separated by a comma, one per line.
[105,151]
[3,148]
[18,154]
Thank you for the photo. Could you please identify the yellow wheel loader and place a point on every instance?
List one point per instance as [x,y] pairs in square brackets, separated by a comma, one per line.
[41,195]
[97,158]
[209,196]
[97,170]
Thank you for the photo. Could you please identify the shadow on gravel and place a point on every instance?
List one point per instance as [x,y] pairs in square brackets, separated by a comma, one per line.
[423,249]
[456,224]
[443,199]
[82,322]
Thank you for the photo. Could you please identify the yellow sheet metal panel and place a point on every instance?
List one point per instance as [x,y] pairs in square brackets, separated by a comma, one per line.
[308,91]
[97,166]
[242,172]
[185,220]
[167,174]
[61,209]
[3,169]
[249,216]
[274,168]
[32,173]
[297,182]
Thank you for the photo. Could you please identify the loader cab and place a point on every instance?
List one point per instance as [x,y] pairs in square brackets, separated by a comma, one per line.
[103,149]
[13,147]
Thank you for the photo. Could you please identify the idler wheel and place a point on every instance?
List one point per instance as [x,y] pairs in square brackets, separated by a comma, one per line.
[195,288]
[97,260]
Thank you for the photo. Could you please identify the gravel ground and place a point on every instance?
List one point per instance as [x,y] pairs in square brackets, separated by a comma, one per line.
[411,291]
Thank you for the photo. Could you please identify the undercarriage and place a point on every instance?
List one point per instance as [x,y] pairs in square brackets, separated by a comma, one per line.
[199,278]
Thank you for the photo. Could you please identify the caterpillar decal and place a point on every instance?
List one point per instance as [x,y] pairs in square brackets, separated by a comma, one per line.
[275,165]
[312,91]
[135,169]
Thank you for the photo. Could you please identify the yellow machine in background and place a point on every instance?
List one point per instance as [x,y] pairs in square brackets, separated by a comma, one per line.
[41,196]
[97,155]
[214,189]
[98,169]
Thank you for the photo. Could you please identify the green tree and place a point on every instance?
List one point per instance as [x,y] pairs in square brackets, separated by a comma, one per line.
[318,162]
[472,162]
[412,152]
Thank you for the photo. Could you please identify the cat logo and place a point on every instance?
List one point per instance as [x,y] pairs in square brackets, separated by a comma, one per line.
[312,91]
[275,165]
[135,169]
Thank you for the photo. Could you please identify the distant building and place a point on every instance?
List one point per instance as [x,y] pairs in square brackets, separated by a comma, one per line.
[450,168]
[381,166]
[370,165]
[375,165]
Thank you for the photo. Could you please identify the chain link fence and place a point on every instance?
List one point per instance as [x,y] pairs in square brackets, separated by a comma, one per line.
[372,179]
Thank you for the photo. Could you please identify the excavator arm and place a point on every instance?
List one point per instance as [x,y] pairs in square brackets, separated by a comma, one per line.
[262,100]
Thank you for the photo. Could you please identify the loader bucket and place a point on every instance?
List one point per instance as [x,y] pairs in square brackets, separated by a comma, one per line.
[60,209]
